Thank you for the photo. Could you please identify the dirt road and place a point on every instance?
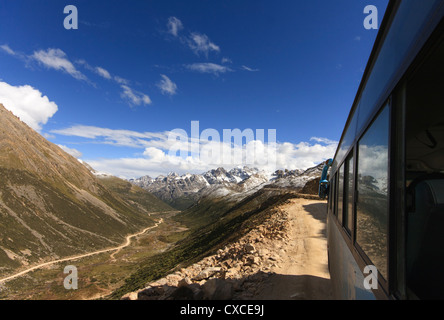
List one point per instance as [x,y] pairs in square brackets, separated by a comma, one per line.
[303,273]
[283,258]
[128,238]
[117,249]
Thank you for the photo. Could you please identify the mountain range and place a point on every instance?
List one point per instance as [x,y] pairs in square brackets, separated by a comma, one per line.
[182,191]
[54,206]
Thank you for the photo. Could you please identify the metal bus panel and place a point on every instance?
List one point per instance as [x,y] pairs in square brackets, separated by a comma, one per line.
[407,34]
[407,28]
[412,24]
[346,143]
[346,277]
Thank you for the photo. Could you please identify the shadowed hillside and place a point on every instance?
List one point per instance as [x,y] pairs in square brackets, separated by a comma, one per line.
[212,223]
[52,206]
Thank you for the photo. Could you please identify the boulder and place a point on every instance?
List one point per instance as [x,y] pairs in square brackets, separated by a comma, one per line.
[130,296]
[150,293]
[184,282]
[217,289]
[207,273]
[173,279]
[182,293]
[249,248]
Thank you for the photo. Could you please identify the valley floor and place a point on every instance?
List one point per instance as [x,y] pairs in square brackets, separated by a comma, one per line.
[81,256]
[283,258]
[100,272]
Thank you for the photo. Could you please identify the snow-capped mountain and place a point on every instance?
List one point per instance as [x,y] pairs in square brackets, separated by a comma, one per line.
[295,179]
[181,191]
[184,190]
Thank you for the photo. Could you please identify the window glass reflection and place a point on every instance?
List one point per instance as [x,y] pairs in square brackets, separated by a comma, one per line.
[348,208]
[372,205]
[340,192]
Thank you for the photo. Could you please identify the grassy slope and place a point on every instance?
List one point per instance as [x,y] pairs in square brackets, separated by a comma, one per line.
[48,222]
[182,203]
[213,223]
[136,196]
[52,206]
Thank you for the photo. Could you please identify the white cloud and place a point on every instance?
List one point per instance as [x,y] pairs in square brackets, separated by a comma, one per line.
[226,60]
[128,168]
[125,138]
[52,59]
[174,26]
[74,152]
[207,67]
[167,86]
[57,59]
[97,70]
[7,49]
[200,43]
[157,161]
[162,154]
[304,154]
[120,80]
[249,69]
[134,97]
[48,136]
[154,154]
[28,103]
[323,140]
[103,73]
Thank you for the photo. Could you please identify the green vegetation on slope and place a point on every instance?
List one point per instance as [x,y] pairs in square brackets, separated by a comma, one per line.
[135,195]
[52,206]
[182,203]
[43,222]
[213,223]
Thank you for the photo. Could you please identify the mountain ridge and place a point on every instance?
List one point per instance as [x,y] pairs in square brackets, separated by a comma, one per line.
[52,206]
[182,191]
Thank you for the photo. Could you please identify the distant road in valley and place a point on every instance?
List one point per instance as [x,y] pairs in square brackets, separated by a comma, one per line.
[117,249]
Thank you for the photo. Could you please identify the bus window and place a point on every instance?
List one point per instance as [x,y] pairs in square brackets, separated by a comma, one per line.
[332,197]
[340,193]
[372,186]
[425,179]
[348,206]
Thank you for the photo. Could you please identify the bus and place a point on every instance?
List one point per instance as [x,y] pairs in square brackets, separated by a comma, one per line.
[385,221]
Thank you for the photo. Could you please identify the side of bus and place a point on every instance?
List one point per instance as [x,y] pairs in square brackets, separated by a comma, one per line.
[386,201]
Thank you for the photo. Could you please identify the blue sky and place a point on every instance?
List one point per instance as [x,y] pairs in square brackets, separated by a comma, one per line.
[135,70]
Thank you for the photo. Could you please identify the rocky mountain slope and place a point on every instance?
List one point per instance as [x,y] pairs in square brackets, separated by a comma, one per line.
[282,257]
[183,191]
[223,275]
[52,206]
[296,179]
[222,214]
